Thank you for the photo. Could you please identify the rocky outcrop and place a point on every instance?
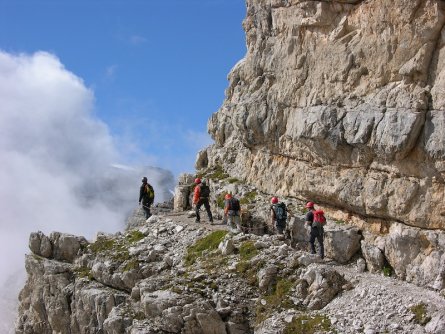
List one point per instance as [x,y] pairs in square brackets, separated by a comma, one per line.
[340,102]
[171,275]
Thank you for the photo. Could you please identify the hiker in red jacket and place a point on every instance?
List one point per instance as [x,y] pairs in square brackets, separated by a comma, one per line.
[201,196]
[316,227]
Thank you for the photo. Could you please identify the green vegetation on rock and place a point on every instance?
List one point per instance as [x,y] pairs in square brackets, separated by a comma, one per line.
[387,271]
[420,314]
[248,198]
[213,173]
[220,202]
[233,180]
[83,272]
[134,236]
[309,324]
[116,248]
[277,300]
[247,250]
[208,243]
[131,265]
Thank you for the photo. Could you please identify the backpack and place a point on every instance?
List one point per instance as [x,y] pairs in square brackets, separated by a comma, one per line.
[205,191]
[234,204]
[319,219]
[280,211]
[150,193]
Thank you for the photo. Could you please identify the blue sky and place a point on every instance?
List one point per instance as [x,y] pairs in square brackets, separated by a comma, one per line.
[157,69]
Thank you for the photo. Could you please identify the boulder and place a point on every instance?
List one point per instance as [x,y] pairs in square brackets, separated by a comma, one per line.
[40,244]
[66,247]
[320,286]
[341,243]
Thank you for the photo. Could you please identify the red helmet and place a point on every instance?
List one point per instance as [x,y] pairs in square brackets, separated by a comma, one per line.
[274,200]
[197,180]
[228,196]
[309,205]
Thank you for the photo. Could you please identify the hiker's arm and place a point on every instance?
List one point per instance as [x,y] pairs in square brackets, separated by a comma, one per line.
[141,194]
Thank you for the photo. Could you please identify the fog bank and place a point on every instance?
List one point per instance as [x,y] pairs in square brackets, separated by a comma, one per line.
[59,169]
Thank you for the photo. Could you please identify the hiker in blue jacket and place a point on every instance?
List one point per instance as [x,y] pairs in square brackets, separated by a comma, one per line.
[278,213]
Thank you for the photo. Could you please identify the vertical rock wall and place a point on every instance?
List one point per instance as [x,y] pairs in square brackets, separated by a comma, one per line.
[341,102]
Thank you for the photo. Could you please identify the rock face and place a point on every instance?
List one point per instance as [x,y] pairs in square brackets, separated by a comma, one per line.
[341,102]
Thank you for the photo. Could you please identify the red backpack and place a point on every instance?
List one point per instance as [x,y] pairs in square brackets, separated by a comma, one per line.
[319,218]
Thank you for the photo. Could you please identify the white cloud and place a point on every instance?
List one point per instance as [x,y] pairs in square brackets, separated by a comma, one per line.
[56,171]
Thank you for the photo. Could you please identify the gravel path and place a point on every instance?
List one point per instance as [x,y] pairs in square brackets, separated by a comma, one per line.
[379,304]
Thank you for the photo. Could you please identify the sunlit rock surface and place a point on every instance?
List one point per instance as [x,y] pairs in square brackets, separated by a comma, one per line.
[340,102]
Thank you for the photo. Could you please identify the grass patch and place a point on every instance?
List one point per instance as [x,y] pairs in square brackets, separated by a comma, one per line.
[249,270]
[214,262]
[134,236]
[84,272]
[278,299]
[131,265]
[117,249]
[387,271]
[247,250]
[102,245]
[217,174]
[340,222]
[420,314]
[248,198]
[307,324]
[233,180]
[210,242]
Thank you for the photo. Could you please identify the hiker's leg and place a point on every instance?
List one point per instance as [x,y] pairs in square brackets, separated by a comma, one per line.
[237,222]
[312,242]
[197,208]
[207,206]
[229,221]
[320,242]
[146,207]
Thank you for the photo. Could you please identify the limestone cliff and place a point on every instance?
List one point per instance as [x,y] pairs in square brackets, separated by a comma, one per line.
[341,102]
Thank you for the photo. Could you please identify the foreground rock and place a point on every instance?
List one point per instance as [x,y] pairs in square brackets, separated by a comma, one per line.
[175,276]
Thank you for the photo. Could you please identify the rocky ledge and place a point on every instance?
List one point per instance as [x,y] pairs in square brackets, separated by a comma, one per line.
[171,275]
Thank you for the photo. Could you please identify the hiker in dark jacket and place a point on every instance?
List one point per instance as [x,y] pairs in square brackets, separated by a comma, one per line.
[315,233]
[278,214]
[201,196]
[146,197]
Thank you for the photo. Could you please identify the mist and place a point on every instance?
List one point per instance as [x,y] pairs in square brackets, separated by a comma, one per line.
[60,169]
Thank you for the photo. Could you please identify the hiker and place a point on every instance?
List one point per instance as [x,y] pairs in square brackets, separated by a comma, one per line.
[316,228]
[201,196]
[146,197]
[278,215]
[232,212]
